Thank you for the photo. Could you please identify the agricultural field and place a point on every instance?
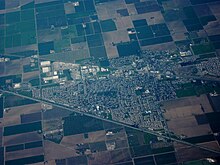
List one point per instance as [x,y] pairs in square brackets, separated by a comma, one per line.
[118,82]
[38,135]
[192,118]
[59,26]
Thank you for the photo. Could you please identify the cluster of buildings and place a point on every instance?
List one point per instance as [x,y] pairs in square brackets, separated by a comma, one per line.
[48,74]
[131,92]
[3,59]
[209,67]
[58,72]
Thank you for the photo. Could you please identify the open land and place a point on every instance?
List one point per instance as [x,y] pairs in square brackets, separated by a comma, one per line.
[149,66]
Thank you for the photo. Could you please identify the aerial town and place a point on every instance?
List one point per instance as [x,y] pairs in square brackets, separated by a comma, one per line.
[109,82]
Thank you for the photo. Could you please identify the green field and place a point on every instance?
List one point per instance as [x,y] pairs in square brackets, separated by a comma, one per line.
[95,40]
[20,29]
[11,101]
[88,124]
[27,15]
[202,49]
[69,32]
[209,55]
[14,148]
[25,160]
[22,128]
[98,52]
[108,25]
[61,44]
[78,39]
[191,89]
[13,17]
[69,57]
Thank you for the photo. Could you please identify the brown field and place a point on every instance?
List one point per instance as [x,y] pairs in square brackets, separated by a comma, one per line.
[48,35]
[26,61]
[122,155]
[180,115]
[179,36]
[163,46]
[100,158]
[212,25]
[106,157]
[186,153]
[13,120]
[21,153]
[50,125]
[188,127]
[93,137]
[202,33]
[76,139]
[108,10]
[157,17]
[218,17]
[12,67]
[117,136]
[51,162]
[22,138]
[78,46]
[131,9]
[96,136]
[213,31]
[42,163]
[12,117]
[124,23]
[212,145]
[30,75]
[121,144]
[177,27]
[215,8]
[188,101]
[111,51]
[103,14]
[116,36]
[69,8]
[72,140]
[185,111]
[21,49]
[57,151]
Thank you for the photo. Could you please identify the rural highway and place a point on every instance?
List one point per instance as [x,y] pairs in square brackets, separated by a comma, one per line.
[115,122]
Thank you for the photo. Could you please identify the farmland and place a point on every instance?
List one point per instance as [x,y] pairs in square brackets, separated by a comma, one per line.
[118,82]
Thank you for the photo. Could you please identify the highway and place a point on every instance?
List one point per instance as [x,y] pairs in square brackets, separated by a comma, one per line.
[115,122]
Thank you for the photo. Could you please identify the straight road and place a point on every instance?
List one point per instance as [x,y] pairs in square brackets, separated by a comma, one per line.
[115,122]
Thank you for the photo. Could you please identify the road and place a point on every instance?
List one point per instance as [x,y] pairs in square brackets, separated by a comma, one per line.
[203,78]
[115,122]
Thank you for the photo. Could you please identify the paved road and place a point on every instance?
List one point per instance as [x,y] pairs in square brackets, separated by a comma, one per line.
[203,78]
[115,122]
